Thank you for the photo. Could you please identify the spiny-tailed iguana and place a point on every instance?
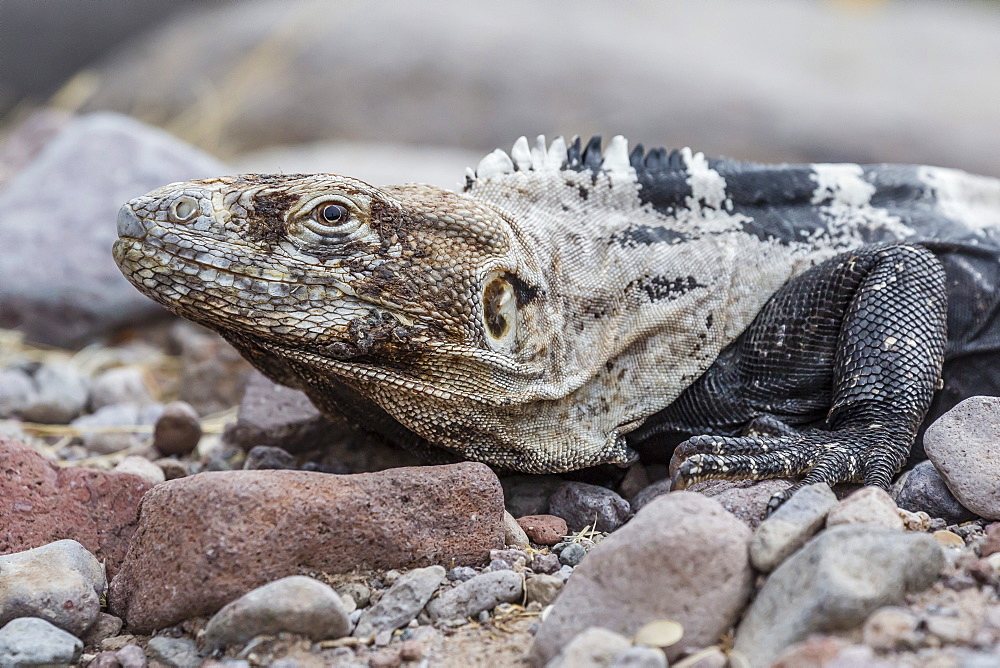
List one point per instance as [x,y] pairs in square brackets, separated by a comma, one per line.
[572,304]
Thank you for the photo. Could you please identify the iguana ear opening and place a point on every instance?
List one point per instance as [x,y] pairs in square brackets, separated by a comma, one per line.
[499,301]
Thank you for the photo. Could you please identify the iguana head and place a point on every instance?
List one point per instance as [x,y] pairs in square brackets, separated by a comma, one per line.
[529,321]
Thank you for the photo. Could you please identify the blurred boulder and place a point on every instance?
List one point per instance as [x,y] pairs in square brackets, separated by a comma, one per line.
[774,81]
[61,286]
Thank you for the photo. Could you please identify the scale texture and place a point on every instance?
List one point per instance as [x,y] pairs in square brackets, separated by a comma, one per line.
[573,304]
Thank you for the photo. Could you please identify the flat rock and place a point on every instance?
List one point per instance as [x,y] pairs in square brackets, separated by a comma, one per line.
[41,503]
[583,505]
[234,531]
[790,526]
[834,583]
[66,293]
[681,543]
[964,445]
[60,582]
[544,529]
[923,489]
[483,592]
[868,505]
[401,603]
[29,641]
[296,604]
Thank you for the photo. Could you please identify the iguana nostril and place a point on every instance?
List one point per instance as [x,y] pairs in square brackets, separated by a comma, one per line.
[129,224]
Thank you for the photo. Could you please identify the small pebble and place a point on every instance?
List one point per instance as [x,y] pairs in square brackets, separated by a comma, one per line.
[461,573]
[16,388]
[60,394]
[411,650]
[115,415]
[544,529]
[120,385]
[178,429]
[513,534]
[401,603]
[174,652]
[103,660]
[172,468]
[892,628]
[572,554]
[948,539]
[359,592]
[484,617]
[868,505]
[923,489]
[483,592]
[498,565]
[131,656]
[992,543]
[594,646]
[141,467]
[106,626]
[642,657]
[543,588]
[545,563]
[268,457]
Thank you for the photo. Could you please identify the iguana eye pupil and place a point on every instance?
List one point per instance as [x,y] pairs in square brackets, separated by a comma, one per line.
[332,214]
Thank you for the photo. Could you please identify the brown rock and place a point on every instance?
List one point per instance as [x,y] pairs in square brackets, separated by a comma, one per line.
[544,529]
[207,539]
[41,503]
[992,543]
[177,430]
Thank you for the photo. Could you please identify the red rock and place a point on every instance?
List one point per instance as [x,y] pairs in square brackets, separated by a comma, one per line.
[544,529]
[207,539]
[41,503]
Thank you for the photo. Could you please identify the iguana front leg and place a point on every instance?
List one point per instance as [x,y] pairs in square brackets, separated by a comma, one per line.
[840,367]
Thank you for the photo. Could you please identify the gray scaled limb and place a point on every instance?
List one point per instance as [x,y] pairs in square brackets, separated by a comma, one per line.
[838,369]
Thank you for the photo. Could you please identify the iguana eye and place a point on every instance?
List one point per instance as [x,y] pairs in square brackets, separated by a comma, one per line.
[499,308]
[183,209]
[330,213]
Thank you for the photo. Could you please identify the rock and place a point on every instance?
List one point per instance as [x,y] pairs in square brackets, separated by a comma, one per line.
[544,529]
[543,588]
[483,592]
[834,583]
[650,492]
[76,185]
[120,417]
[923,489]
[919,521]
[295,604]
[264,457]
[22,143]
[790,526]
[948,539]
[177,430]
[572,554]
[594,646]
[105,659]
[514,559]
[174,652]
[545,563]
[141,467]
[992,543]
[60,582]
[635,480]
[29,641]
[219,529]
[59,391]
[639,657]
[125,384]
[16,389]
[892,628]
[821,652]
[213,373]
[868,505]
[172,468]
[529,494]
[356,591]
[964,445]
[41,503]
[401,603]
[746,499]
[682,543]
[583,505]
[513,534]
[461,574]
[131,656]
[105,626]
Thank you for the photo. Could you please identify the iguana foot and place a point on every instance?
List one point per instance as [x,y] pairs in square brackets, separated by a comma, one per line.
[867,455]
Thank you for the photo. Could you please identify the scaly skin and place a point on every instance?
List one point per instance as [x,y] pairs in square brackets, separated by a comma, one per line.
[570,302]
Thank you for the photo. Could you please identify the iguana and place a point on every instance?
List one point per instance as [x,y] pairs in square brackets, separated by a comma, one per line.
[573,304]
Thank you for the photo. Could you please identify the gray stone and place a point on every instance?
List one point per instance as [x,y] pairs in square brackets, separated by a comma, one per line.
[923,489]
[76,185]
[593,647]
[275,415]
[964,445]
[30,641]
[266,457]
[483,592]
[461,573]
[296,604]
[650,492]
[16,388]
[583,505]
[513,534]
[141,467]
[131,656]
[119,385]
[543,588]
[790,526]
[868,505]
[545,563]
[746,499]
[357,591]
[401,603]
[105,626]
[681,543]
[61,583]
[177,430]
[526,495]
[60,391]
[834,583]
[892,628]
[174,652]
[572,554]
[639,657]
[116,415]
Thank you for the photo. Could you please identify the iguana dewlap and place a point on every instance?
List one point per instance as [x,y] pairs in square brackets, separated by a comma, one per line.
[570,303]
